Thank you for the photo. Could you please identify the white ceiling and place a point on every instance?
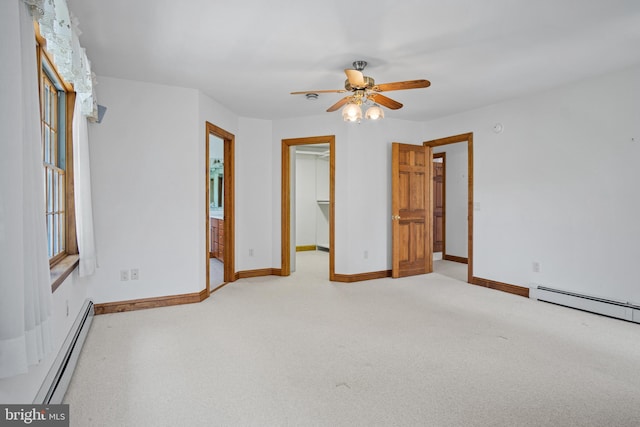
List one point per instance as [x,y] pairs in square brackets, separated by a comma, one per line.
[249,54]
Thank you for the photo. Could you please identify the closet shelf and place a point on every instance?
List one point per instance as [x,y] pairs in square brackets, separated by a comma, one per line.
[323,202]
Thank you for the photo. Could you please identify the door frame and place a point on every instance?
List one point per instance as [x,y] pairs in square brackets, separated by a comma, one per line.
[468,138]
[229,205]
[285,212]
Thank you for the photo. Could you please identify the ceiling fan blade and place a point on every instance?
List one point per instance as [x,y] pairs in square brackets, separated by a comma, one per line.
[383,100]
[338,104]
[356,79]
[409,84]
[319,91]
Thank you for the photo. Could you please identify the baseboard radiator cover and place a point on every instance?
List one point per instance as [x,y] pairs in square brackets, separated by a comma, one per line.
[606,307]
[57,380]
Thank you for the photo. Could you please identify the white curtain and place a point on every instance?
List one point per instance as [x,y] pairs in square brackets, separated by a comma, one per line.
[60,28]
[82,190]
[25,284]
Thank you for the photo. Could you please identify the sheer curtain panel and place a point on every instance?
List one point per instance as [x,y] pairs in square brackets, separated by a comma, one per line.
[25,286]
[82,190]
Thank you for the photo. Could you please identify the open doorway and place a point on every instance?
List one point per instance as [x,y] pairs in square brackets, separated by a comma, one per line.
[310,209]
[216,211]
[220,227]
[456,258]
[439,204]
[309,162]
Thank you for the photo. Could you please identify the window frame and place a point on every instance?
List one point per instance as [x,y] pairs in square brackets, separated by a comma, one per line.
[62,264]
[53,120]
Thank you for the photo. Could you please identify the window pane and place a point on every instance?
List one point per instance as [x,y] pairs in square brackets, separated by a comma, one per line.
[45,190]
[56,190]
[54,148]
[62,194]
[55,234]
[45,103]
[50,235]
[49,190]
[62,232]
[47,144]
[54,109]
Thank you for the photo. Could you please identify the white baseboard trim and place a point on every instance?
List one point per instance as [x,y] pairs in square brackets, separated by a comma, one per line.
[57,380]
[606,307]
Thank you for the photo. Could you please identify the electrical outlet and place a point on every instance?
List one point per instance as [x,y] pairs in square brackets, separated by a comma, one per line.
[135,274]
[366,254]
[251,252]
[67,303]
[536,267]
[124,275]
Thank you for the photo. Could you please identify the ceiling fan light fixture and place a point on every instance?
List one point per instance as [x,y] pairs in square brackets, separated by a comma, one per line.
[352,112]
[374,113]
[365,91]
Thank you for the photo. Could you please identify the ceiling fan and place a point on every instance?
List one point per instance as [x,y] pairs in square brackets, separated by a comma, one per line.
[365,91]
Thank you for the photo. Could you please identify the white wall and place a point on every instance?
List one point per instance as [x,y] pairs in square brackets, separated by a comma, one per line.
[323,185]
[558,186]
[72,294]
[147,160]
[456,190]
[305,200]
[254,194]
[150,189]
[322,192]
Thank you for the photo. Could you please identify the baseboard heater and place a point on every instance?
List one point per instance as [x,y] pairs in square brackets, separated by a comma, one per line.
[55,384]
[606,307]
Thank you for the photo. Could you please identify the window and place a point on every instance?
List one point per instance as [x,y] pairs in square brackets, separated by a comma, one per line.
[53,148]
[56,113]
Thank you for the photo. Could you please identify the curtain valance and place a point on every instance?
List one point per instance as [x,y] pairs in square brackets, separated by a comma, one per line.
[60,29]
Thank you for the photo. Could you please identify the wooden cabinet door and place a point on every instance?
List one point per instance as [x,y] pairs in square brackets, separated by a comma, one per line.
[212,251]
[220,254]
[411,210]
[214,238]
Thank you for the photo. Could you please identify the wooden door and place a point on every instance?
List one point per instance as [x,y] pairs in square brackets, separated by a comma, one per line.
[438,202]
[411,210]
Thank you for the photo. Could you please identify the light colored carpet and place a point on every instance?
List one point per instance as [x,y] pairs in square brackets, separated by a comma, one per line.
[455,270]
[301,351]
[216,272]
